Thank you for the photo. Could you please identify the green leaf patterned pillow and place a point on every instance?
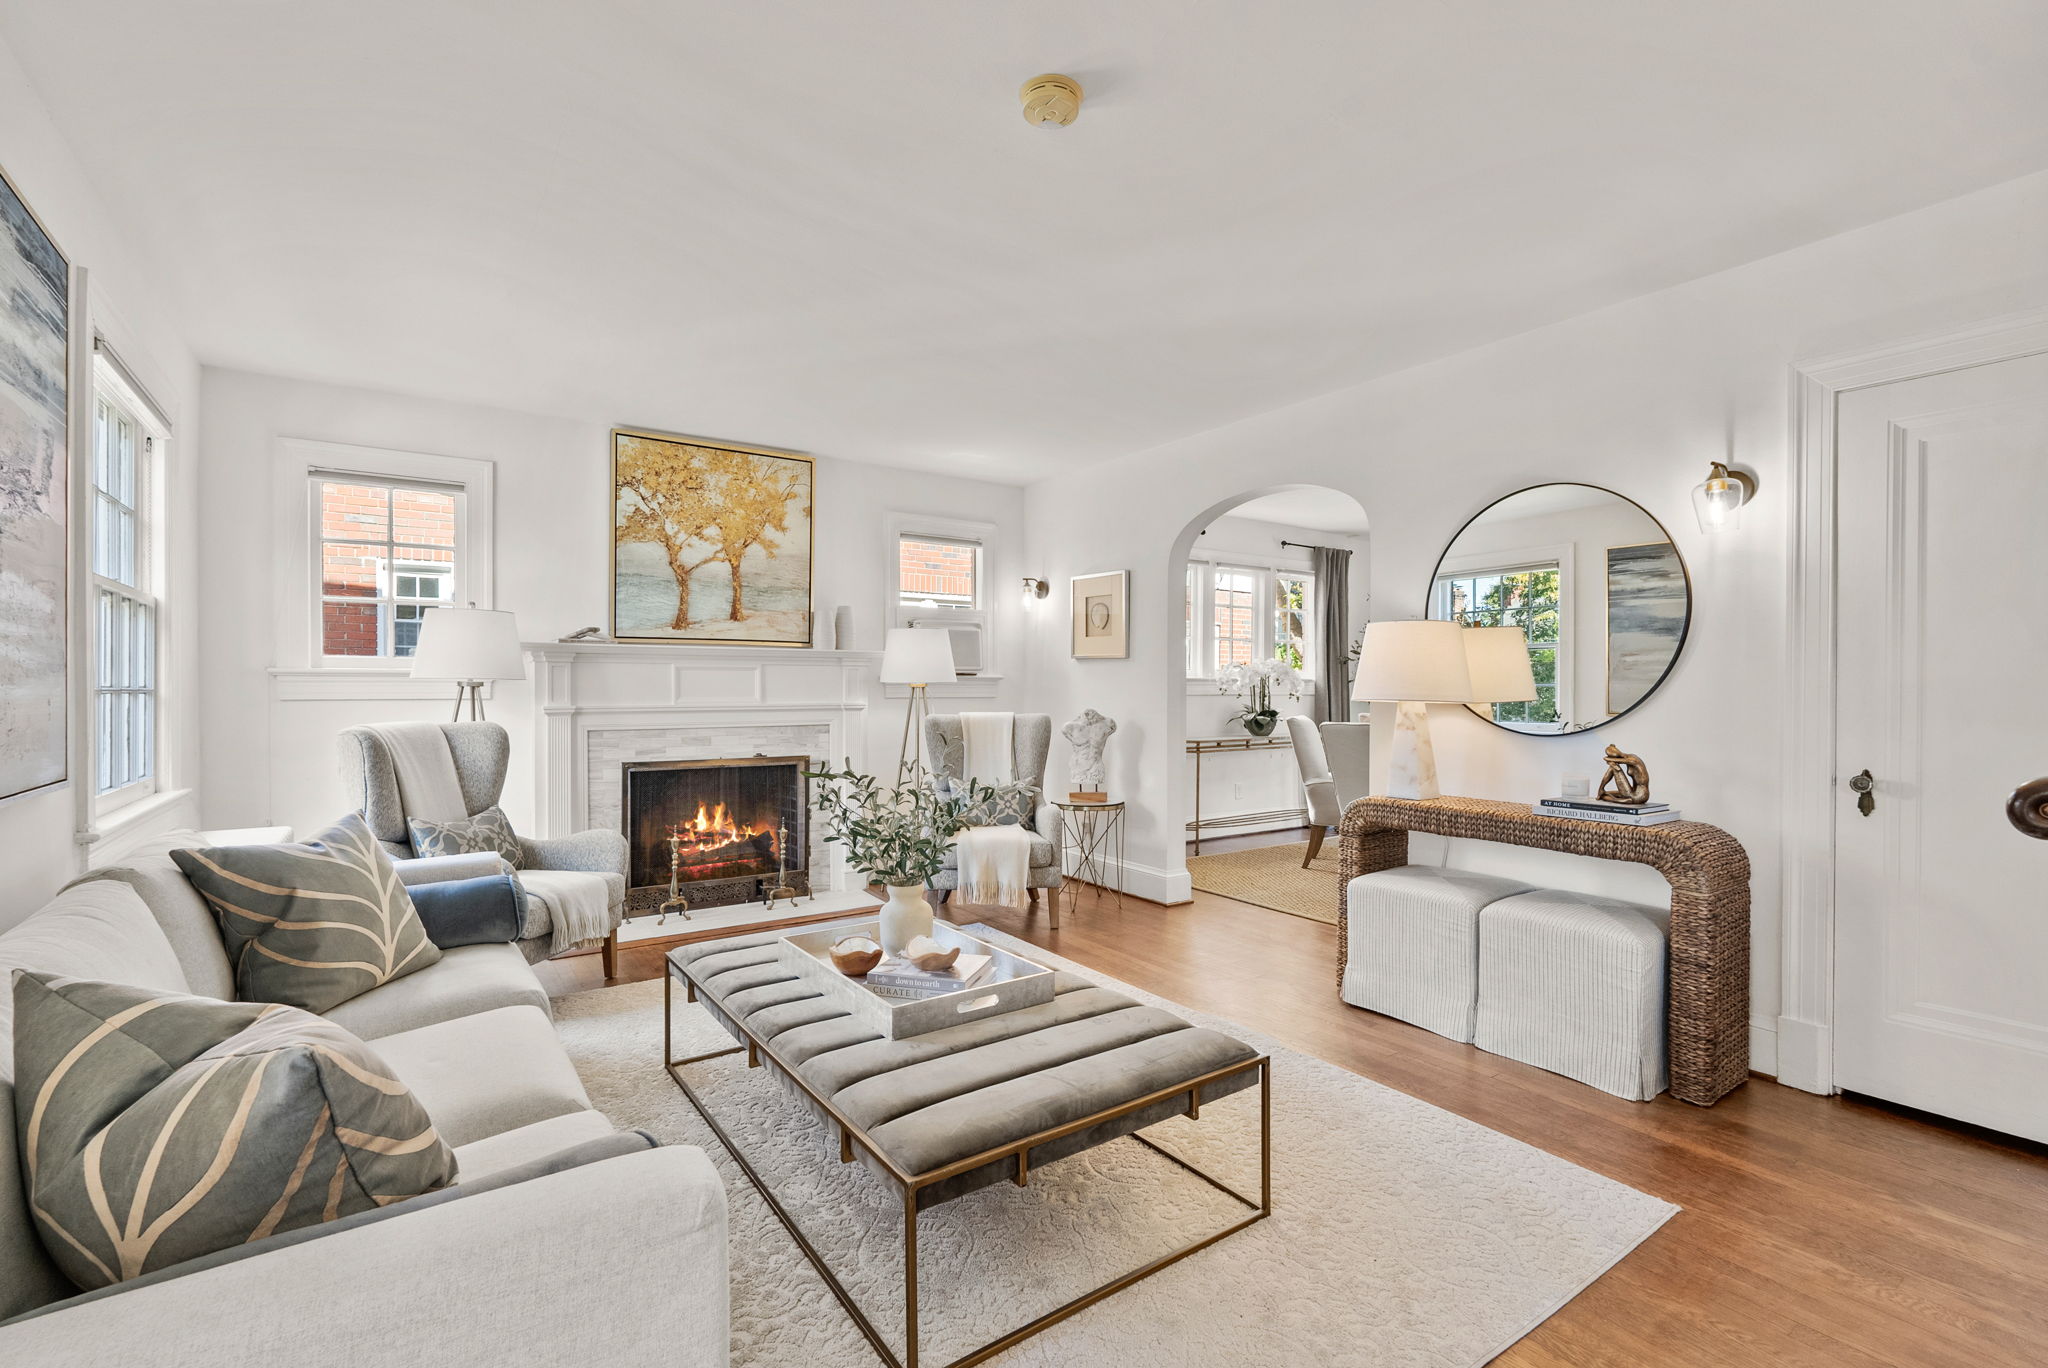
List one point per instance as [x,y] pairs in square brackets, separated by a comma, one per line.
[994,804]
[156,1127]
[490,830]
[311,924]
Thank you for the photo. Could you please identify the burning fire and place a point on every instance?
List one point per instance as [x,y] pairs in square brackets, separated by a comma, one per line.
[712,830]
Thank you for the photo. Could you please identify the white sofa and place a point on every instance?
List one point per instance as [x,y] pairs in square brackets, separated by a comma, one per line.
[618,1260]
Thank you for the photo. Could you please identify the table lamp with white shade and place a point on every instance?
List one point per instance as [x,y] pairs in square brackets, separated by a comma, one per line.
[1412,664]
[468,645]
[1498,659]
[917,656]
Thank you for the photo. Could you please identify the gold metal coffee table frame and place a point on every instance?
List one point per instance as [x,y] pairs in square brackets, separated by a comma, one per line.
[851,1137]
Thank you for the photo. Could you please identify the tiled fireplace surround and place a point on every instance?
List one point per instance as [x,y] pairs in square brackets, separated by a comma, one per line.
[599,705]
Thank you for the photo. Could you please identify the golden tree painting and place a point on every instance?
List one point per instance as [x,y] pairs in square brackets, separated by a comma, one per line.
[709,543]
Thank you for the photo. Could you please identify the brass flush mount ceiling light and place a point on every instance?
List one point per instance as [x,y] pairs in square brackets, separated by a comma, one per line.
[1051,101]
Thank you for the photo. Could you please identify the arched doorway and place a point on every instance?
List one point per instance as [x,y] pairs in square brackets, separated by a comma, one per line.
[1253,588]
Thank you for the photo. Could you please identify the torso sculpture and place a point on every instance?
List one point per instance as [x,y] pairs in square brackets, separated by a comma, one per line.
[1088,734]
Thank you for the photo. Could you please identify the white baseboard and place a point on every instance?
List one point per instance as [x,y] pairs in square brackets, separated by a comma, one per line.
[1763,1045]
[1806,1055]
[1154,885]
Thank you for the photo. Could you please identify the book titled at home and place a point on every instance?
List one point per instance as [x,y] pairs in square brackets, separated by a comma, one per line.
[1614,814]
[897,975]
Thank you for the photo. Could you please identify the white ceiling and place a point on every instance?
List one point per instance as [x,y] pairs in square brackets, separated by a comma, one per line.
[825,226]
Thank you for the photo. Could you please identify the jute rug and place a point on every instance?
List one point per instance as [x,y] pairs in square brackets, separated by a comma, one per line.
[1401,1234]
[1272,876]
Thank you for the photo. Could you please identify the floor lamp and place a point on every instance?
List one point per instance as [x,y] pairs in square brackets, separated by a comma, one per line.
[469,646]
[917,656]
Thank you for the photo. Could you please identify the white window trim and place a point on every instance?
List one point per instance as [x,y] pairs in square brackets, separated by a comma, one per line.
[938,527]
[1203,564]
[152,510]
[1522,558]
[302,672]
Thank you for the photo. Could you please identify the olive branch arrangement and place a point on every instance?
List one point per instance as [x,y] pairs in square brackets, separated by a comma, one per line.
[896,836]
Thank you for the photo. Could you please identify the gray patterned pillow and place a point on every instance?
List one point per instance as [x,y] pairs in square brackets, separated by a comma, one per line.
[156,1127]
[488,831]
[312,924]
[994,805]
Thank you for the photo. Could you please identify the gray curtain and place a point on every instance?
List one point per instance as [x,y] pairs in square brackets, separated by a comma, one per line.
[1333,632]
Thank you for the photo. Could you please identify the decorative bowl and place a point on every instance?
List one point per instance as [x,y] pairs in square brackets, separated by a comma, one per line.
[928,955]
[855,955]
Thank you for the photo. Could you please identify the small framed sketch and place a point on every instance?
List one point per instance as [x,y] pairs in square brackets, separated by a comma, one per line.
[1102,615]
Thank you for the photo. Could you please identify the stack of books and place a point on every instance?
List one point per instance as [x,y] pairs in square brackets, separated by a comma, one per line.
[1593,810]
[898,978]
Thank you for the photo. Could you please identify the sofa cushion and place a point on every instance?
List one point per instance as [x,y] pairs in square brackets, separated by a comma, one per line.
[156,1127]
[482,1159]
[90,931]
[311,924]
[468,979]
[483,1075]
[489,831]
[186,918]
[456,912]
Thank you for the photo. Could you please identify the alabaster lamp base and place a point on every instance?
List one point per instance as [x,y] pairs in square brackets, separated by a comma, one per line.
[1411,765]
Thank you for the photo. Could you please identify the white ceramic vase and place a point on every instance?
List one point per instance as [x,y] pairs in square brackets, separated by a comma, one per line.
[905,917]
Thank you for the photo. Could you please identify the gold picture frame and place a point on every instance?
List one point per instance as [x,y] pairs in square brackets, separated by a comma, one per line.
[1101,615]
[711,542]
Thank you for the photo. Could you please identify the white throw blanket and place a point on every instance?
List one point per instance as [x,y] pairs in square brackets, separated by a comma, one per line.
[994,861]
[579,904]
[427,785]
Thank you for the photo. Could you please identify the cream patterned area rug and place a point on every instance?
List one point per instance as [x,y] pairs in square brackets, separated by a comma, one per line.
[1401,1234]
[1272,876]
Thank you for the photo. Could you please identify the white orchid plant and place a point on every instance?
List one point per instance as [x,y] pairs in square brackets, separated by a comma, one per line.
[1258,682]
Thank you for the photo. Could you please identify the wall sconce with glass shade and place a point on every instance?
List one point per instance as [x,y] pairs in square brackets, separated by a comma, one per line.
[1717,500]
[1035,589]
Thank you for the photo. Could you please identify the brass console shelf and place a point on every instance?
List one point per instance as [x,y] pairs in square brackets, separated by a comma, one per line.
[1707,1030]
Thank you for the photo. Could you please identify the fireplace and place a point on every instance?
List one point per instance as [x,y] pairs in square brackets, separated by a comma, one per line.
[720,829]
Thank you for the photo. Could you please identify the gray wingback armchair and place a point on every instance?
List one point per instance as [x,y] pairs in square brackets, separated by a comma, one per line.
[1030,740]
[481,751]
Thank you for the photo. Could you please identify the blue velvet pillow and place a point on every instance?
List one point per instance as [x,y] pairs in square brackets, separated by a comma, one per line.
[484,911]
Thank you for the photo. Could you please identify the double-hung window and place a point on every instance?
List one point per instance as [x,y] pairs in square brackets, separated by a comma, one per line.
[1240,612]
[941,580]
[387,550]
[1526,596]
[127,451]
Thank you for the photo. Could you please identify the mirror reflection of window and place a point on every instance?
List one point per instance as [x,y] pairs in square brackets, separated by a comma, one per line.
[1594,583]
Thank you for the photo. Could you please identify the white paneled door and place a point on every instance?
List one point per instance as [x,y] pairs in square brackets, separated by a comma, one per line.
[1941,903]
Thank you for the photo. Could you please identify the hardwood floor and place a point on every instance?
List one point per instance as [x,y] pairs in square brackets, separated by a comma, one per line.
[1816,1231]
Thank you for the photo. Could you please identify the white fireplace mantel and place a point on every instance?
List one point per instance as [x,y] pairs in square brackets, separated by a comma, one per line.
[753,695]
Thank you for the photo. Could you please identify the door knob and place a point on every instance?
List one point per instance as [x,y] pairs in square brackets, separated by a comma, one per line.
[1862,786]
[2027,809]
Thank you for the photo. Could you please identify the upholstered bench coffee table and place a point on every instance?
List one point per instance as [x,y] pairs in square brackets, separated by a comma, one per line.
[946,1113]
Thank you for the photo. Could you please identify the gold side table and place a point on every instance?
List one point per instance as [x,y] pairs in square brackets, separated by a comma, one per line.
[1096,829]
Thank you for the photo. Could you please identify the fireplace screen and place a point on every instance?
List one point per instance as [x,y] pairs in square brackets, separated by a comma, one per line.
[705,822]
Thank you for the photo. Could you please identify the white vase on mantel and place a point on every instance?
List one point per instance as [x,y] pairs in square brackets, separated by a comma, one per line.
[905,917]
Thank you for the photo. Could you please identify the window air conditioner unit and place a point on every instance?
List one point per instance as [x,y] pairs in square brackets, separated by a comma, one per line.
[966,639]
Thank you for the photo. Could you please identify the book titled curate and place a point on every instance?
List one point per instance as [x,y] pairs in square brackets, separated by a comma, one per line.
[1611,818]
[894,976]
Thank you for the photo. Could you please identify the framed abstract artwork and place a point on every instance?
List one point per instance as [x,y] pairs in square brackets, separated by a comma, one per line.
[711,542]
[35,354]
[1102,615]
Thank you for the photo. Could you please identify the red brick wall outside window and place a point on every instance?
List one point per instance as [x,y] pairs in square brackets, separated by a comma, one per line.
[936,570]
[387,554]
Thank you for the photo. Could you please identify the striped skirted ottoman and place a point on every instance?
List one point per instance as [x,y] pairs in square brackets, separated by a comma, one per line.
[1575,984]
[1411,938]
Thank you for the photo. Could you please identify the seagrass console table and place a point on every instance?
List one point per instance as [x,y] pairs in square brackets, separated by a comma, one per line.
[1707,1029]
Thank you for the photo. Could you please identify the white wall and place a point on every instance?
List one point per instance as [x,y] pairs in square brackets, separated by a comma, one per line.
[273,760]
[38,831]
[1638,398]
